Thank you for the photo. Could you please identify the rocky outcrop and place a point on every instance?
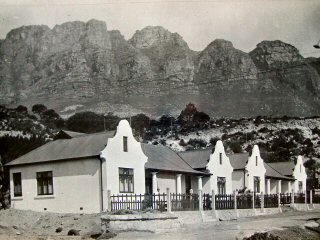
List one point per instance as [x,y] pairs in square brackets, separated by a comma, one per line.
[153,72]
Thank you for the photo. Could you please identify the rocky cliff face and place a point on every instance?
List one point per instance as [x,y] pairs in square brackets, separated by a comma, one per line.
[155,72]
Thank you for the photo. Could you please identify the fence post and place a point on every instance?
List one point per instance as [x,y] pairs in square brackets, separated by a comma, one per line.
[168,200]
[311,200]
[235,199]
[279,200]
[213,200]
[200,200]
[262,201]
[109,200]
[252,200]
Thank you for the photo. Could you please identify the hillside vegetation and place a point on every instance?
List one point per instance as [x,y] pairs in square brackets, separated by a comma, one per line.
[279,139]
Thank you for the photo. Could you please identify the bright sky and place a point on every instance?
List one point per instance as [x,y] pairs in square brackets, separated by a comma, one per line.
[243,22]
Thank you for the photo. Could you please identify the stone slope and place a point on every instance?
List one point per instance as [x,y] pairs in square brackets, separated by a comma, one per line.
[153,72]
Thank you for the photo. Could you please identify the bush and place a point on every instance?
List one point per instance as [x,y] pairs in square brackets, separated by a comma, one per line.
[22,109]
[197,143]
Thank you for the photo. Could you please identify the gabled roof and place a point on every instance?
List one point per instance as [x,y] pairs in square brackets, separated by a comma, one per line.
[87,145]
[273,173]
[238,160]
[163,158]
[196,158]
[285,168]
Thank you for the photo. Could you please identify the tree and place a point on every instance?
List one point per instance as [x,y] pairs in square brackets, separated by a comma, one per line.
[140,123]
[87,122]
[186,116]
[38,108]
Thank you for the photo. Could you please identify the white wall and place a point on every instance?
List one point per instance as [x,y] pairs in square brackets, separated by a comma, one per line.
[116,158]
[253,170]
[237,180]
[76,183]
[220,170]
[299,175]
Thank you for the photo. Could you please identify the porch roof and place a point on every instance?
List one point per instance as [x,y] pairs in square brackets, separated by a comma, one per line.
[285,168]
[273,173]
[239,160]
[163,158]
[196,158]
[87,145]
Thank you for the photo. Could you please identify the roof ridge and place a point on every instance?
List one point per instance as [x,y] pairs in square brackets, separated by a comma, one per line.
[90,134]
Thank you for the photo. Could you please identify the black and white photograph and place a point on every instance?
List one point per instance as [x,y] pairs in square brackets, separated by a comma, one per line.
[160,119]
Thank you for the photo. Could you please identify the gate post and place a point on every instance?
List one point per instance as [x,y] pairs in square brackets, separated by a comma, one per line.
[292,197]
[200,200]
[253,200]
[213,200]
[109,200]
[235,199]
[262,202]
[305,197]
[279,200]
[168,200]
[311,200]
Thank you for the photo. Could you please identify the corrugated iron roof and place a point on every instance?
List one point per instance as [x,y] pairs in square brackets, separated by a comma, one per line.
[163,158]
[273,173]
[197,158]
[285,168]
[77,147]
[239,160]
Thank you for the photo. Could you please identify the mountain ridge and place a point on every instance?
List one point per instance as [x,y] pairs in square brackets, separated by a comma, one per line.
[154,72]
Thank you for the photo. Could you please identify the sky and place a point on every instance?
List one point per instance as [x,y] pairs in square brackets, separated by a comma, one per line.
[243,22]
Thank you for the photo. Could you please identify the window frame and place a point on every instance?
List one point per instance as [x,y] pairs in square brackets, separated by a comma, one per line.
[220,158]
[256,161]
[127,176]
[14,180]
[221,184]
[43,182]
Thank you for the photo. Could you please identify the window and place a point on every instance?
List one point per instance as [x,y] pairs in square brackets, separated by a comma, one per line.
[126,180]
[45,183]
[256,184]
[125,144]
[17,187]
[256,160]
[221,184]
[220,158]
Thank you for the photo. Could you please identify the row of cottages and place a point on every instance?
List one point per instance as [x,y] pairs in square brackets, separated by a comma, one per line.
[76,172]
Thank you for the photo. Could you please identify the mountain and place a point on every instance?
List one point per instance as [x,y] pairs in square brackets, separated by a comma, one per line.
[82,66]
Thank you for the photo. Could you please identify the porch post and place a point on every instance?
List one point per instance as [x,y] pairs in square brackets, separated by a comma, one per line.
[179,183]
[268,186]
[199,182]
[289,186]
[154,182]
[279,187]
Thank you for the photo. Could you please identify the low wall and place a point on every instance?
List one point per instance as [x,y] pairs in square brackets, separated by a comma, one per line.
[148,222]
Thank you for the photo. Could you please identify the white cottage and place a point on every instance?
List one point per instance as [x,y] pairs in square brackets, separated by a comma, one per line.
[75,173]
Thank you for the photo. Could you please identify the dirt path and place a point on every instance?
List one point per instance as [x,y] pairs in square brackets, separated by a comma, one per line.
[239,228]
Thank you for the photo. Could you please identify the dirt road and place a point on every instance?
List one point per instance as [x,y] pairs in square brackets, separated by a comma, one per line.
[240,228]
